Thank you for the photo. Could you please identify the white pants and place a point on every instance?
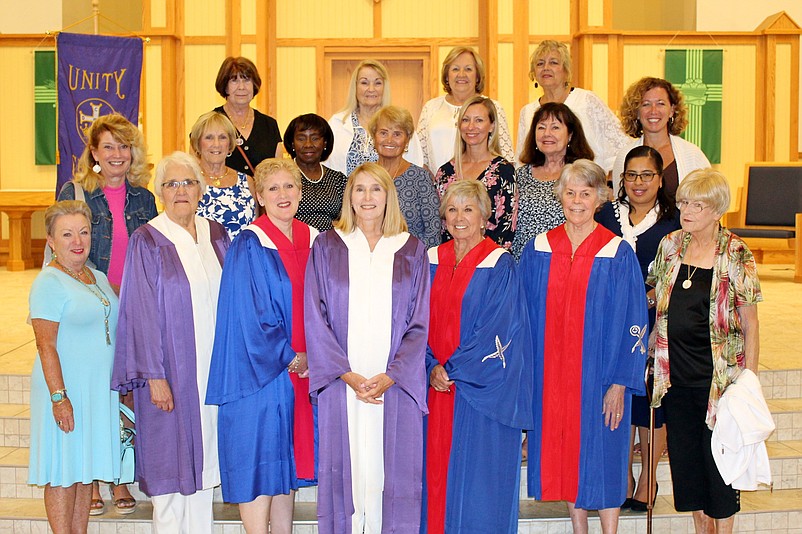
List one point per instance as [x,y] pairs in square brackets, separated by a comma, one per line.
[183,514]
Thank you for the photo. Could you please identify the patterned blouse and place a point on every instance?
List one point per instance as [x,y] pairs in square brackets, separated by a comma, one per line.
[234,207]
[499,178]
[321,201]
[361,149]
[735,283]
[539,209]
[420,204]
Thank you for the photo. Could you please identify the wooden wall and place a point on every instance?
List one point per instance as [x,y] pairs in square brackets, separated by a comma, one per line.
[293,43]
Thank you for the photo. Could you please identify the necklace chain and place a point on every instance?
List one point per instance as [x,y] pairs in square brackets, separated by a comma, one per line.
[96,291]
[216,180]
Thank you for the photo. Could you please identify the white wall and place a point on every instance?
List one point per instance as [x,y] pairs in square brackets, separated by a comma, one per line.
[746,15]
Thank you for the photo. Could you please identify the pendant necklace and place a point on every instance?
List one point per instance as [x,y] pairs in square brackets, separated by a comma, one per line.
[688,283]
[216,180]
[96,291]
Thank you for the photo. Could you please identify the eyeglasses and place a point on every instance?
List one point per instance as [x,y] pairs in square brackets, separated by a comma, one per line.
[175,184]
[645,177]
[691,208]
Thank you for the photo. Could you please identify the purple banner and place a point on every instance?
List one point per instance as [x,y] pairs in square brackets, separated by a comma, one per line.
[97,75]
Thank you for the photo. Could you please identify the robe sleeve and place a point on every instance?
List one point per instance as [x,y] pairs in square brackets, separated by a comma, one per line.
[325,352]
[406,367]
[138,354]
[630,319]
[493,322]
[254,316]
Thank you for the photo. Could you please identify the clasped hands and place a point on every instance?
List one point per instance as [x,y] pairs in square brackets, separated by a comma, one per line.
[368,390]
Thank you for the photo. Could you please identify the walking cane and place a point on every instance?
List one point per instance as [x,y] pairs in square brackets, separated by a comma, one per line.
[650,491]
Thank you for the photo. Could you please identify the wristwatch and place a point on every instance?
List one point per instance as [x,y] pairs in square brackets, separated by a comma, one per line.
[58,396]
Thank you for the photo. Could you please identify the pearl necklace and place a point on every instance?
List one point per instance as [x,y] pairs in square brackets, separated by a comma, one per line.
[95,290]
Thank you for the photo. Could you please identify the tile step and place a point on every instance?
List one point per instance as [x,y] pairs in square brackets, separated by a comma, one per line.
[780,511]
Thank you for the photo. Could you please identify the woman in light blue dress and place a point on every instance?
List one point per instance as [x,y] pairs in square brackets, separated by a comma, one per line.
[75,432]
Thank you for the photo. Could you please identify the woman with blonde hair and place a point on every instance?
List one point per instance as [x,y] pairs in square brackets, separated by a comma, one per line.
[550,69]
[463,78]
[229,198]
[366,345]
[112,178]
[477,157]
[368,91]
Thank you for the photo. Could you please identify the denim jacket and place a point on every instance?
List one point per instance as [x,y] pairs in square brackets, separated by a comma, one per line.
[140,207]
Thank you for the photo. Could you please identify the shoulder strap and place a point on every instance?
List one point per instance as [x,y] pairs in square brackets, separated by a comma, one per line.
[79,192]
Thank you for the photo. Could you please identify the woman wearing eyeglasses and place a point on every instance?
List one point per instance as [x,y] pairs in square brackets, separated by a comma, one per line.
[642,215]
[165,334]
[707,290]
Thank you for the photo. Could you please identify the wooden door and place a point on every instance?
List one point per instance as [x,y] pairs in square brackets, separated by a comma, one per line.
[409,76]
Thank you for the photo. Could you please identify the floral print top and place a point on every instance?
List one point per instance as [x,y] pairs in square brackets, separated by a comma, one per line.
[234,207]
[499,178]
[735,283]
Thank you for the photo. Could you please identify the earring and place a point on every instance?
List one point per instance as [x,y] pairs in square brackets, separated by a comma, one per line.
[406,149]
[536,85]
[96,168]
[670,123]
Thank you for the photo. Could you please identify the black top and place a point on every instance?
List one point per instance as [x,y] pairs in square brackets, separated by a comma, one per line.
[261,144]
[690,356]
[321,201]
[671,179]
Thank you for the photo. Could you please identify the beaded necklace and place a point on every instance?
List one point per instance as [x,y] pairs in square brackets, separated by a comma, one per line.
[95,290]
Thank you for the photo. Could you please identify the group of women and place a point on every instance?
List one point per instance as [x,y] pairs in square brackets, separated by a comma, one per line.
[281,325]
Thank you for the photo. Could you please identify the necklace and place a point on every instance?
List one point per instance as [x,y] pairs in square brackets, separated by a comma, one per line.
[310,179]
[95,290]
[216,180]
[394,173]
[688,283]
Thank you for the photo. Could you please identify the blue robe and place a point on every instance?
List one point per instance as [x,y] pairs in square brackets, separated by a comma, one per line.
[248,378]
[493,399]
[614,338]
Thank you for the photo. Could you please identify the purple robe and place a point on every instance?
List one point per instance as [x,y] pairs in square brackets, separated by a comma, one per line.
[326,320]
[156,339]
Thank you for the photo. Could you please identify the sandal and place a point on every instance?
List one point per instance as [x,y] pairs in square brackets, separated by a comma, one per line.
[123,505]
[97,507]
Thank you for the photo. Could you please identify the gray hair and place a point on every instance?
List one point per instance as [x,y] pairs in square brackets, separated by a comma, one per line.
[467,190]
[179,159]
[585,173]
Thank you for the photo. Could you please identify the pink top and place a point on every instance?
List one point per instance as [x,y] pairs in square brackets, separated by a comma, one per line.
[115,196]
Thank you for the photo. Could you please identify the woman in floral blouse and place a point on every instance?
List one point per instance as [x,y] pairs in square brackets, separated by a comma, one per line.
[706,283]
[477,157]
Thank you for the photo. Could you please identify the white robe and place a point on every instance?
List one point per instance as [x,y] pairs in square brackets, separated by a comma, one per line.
[369,330]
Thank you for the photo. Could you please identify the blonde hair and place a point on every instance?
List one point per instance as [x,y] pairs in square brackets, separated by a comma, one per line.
[270,166]
[178,159]
[124,132]
[708,186]
[467,190]
[351,104]
[550,45]
[206,122]
[630,106]
[66,207]
[393,116]
[492,138]
[456,52]
[394,222]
